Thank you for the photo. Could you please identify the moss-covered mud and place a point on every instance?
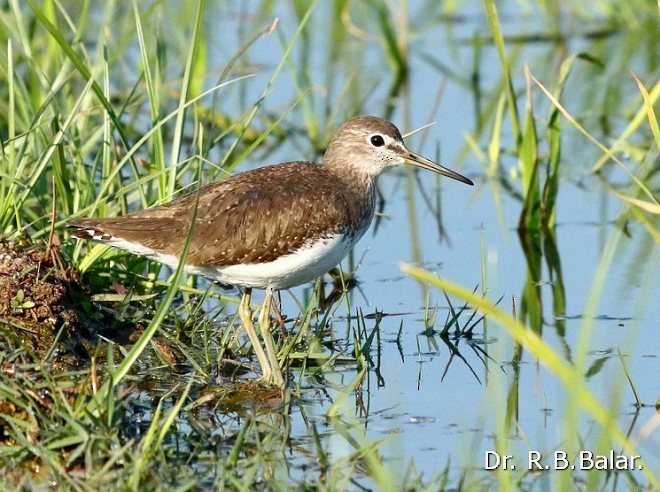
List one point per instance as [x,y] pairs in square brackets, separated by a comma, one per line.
[43,311]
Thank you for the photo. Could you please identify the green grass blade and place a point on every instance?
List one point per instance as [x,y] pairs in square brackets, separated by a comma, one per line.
[528,164]
[153,93]
[570,376]
[80,65]
[498,39]
[593,140]
[186,85]
[648,108]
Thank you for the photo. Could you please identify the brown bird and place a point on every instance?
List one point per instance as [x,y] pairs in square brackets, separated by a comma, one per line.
[273,227]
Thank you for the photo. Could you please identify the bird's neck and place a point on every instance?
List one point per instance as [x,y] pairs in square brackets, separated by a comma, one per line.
[359,191]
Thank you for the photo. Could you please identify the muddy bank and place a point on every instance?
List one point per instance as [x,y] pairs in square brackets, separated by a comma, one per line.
[42,309]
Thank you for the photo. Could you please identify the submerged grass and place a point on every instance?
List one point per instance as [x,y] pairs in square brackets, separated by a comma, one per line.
[571,374]
[536,229]
[109,110]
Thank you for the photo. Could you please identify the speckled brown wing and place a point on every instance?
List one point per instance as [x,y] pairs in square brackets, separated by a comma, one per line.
[251,217]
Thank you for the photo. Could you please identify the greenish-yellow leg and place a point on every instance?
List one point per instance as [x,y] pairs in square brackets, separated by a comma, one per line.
[246,317]
[264,326]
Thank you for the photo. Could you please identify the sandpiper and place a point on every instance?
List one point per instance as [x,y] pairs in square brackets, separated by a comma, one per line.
[273,227]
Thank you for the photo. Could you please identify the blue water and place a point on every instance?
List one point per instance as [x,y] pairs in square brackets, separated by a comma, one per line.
[421,416]
[424,417]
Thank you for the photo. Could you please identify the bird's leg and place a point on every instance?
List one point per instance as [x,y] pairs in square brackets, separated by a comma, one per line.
[264,326]
[278,317]
[245,314]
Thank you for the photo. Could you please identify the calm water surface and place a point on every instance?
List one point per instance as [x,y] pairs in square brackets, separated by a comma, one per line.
[428,417]
[424,411]
[431,419]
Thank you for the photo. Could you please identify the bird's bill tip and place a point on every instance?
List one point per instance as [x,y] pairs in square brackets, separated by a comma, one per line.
[424,163]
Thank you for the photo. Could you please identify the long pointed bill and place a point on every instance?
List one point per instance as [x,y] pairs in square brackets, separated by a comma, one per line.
[424,163]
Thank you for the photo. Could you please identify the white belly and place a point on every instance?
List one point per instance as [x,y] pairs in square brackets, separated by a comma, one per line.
[306,264]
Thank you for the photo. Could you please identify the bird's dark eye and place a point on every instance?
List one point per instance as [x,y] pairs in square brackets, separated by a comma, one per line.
[377,140]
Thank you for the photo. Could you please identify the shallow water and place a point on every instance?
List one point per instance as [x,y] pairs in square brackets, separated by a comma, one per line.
[429,409]
[431,414]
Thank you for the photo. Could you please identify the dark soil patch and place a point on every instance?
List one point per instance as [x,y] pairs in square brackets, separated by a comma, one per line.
[40,307]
